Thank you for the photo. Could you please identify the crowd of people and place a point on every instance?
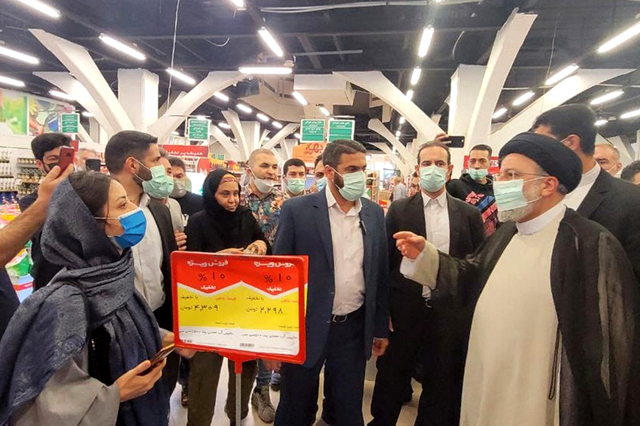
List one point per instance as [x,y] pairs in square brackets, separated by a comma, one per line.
[512,297]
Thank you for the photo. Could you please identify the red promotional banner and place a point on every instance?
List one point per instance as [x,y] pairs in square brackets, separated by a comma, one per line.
[187,150]
[308,152]
[243,306]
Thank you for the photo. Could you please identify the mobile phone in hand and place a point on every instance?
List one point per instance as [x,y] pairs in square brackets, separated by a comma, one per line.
[66,157]
[157,358]
[454,141]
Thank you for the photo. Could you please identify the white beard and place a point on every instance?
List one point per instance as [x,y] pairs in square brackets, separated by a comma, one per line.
[514,215]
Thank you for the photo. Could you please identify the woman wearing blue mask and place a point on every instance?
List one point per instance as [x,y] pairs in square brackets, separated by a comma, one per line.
[75,351]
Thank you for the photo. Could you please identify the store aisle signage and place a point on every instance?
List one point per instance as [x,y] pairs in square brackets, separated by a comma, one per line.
[201,151]
[341,129]
[308,152]
[69,123]
[198,129]
[312,130]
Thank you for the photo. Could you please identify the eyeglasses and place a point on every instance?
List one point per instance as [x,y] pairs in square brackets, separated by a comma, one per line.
[514,175]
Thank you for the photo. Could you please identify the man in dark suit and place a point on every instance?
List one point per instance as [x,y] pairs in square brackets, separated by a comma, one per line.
[130,157]
[613,203]
[420,327]
[345,239]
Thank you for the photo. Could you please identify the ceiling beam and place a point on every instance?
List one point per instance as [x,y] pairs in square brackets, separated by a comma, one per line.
[308,47]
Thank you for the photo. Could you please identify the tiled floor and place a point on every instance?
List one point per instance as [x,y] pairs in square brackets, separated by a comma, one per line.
[179,414]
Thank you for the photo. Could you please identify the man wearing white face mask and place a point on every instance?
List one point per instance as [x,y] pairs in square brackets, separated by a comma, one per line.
[553,338]
[344,237]
[422,328]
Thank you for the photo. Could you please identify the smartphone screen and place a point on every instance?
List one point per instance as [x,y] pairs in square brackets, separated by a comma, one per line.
[157,358]
[93,164]
[67,155]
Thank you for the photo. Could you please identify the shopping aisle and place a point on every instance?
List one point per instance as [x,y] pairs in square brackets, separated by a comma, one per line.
[179,414]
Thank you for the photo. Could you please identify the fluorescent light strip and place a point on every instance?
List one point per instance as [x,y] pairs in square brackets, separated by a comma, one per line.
[223,125]
[11,81]
[631,114]
[620,38]
[523,98]
[116,44]
[265,70]
[415,76]
[200,117]
[425,42]
[398,133]
[402,120]
[87,114]
[180,76]
[238,3]
[244,108]
[499,113]
[221,96]
[607,97]
[277,125]
[300,98]
[42,8]
[174,133]
[296,135]
[410,94]
[61,95]
[271,42]
[561,75]
[14,54]
[601,122]
[262,117]
[325,111]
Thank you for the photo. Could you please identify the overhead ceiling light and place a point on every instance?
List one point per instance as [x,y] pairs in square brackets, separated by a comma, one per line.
[271,42]
[238,3]
[200,117]
[296,135]
[499,113]
[224,125]
[244,108]
[87,114]
[523,98]
[11,81]
[180,76]
[601,122]
[14,54]
[174,133]
[631,114]
[265,70]
[277,125]
[42,7]
[398,133]
[116,44]
[415,76]
[402,120]
[425,42]
[221,96]
[262,117]
[607,97]
[61,95]
[620,38]
[561,75]
[299,98]
[325,111]
[410,94]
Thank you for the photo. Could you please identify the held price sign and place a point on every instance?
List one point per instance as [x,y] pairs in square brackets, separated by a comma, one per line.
[69,123]
[341,129]
[311,130]
[240,304]
[198,129]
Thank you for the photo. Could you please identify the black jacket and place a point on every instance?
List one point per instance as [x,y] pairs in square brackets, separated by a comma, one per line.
[203,234]
[190,203]
[42,270]
[162,216]
[615,204]
[478,195]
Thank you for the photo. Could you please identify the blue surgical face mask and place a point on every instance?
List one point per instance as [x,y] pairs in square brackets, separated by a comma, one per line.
[509,194]
[478,174]
[354,185]
[432,178]
[135,226]
[321,184]
[160,185]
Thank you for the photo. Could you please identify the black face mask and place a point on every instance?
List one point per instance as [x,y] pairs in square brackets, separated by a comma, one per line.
[49,166]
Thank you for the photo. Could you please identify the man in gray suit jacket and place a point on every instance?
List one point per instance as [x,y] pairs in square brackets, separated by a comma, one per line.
[347,318]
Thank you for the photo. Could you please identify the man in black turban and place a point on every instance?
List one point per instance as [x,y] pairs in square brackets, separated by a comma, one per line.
[553,337]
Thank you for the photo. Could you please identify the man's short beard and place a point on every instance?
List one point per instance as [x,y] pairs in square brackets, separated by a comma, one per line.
[514,215]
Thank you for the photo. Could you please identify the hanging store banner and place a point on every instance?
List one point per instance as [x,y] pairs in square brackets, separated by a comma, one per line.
[308,152]
[69,123]
[198,129]
[252,306]
[312,130]
[201,151]
[341,129]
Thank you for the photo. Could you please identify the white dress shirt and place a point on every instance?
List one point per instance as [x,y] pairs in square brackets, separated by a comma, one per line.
[577,196]
[147,260]
[436,220]
[348,256]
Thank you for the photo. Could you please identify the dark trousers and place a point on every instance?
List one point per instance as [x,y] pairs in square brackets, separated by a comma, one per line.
[344,367]
[395,368]
[170,372]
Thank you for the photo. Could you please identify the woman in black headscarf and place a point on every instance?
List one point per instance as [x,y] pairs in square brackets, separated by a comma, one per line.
[75,351]
[223,227]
